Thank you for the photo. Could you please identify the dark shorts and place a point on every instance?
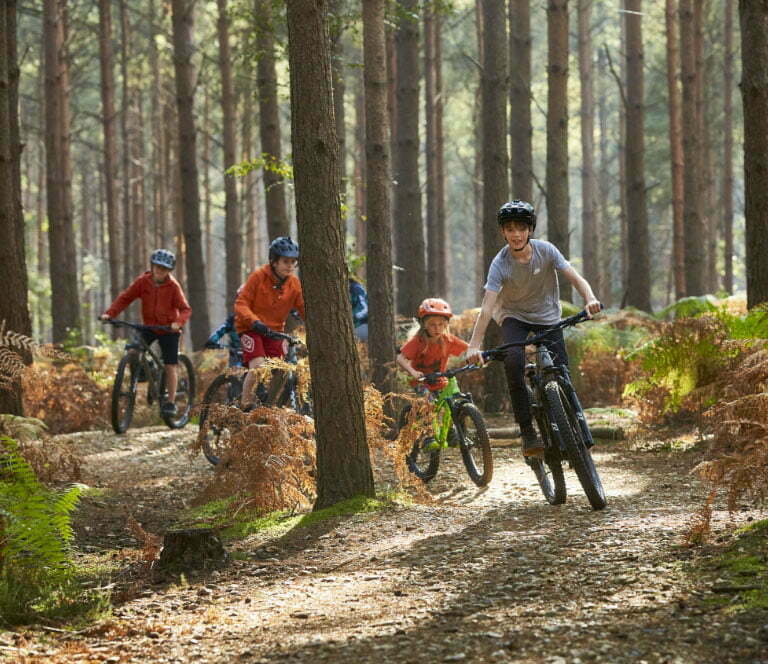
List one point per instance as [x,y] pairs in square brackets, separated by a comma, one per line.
[169,345]
[255,345]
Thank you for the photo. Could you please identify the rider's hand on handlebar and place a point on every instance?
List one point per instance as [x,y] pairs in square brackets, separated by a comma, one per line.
[212,345]
[104,318]
[475,356]
[175,326]
[593,307]
[417,375]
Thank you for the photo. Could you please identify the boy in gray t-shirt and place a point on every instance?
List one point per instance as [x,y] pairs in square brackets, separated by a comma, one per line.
[522,295]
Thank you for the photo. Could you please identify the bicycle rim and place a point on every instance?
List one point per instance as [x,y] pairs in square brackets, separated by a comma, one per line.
[475,444]
[124,394]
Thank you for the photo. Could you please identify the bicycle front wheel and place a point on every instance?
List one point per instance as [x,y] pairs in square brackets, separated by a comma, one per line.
[568,429]
[185,393]
[421,461]
[475,444]
[214,436]
[124,393]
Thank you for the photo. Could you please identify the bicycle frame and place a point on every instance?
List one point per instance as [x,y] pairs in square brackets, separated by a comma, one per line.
[447,403]
[153,376]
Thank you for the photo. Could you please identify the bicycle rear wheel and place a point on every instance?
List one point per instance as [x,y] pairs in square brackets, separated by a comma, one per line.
[124,393]
[421,461]
[185,393]
[568,428]
[475,444]
[214,436]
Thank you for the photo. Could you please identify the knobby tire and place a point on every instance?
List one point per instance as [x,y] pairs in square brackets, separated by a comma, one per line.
[126,378]
[186,386]
[475,444]
[224,389]
[421,462]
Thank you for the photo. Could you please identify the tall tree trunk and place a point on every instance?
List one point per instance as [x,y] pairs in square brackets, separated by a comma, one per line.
[495,163]
[381,338]
[251,225]
[138,204]
[477,176]
[14,311]
[86,249]
[622,193]
[557,131]
[343,461]
[676,151]
[232,230]
[269,120]
[408,224]
[590,247]
[358,222]
[607,274]
[110,142]
[430,112]
[639,277]
[336,30]
[127,227]
[727,182]
[695,259]
[753,15]
[156,137]
[521,128]
[206,160]
[65,300]
[183,48]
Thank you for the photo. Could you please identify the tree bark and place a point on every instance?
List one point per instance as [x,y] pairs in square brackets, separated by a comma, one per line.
[676,151]
[343,461]
[14,311]
[358,222]
[183,48]
[753,16]
[232,230]
[557,131]
[408,221]
[693,222]
[520,95]
[495,164]
[269,120]
[65,300]
[607,279]
[590,246]
[639,273]
[727,182]
[381,337]
[336,30]
[127,226]
[110,142]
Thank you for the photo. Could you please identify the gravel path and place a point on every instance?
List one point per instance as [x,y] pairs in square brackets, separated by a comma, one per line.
[479,576]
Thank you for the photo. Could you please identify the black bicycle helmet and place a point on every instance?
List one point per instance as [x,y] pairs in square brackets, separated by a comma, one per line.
[163,258]
[517,211]
[283,246]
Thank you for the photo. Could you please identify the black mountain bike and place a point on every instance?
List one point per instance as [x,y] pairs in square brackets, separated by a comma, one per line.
[141,364]
[560,420]
[458,423]
[281,391]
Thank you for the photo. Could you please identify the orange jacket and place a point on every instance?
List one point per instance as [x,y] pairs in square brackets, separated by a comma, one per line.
[161,304]
[261,299]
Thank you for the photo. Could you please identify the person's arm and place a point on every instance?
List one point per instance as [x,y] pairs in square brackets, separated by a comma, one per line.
[592,304]
[405,364]
[185,311]
[476,342]
[123,300]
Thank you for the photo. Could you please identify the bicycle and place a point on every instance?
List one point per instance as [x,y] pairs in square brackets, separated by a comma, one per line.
[560,420]
[139,364]
[226,389]
[457,422]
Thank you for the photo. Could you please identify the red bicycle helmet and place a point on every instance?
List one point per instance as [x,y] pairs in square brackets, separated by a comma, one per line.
[434,306]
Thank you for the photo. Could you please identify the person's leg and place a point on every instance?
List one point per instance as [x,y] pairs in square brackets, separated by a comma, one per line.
[361,332]
[169,351]
[514,331]
[247,399]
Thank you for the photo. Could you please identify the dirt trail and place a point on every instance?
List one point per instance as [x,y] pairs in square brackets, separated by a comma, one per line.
[481,576]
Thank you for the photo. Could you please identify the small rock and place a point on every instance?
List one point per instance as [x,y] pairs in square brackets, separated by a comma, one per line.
[455,658]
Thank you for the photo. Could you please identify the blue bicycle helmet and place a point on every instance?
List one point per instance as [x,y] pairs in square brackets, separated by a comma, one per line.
[283,246]
[163,258]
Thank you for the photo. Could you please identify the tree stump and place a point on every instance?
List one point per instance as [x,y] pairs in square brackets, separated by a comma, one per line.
[191,548]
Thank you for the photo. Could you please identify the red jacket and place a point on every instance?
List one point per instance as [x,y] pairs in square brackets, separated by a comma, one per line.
[260,299]
[161,304]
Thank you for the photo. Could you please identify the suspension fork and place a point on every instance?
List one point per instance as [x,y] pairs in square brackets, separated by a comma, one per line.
[573,398]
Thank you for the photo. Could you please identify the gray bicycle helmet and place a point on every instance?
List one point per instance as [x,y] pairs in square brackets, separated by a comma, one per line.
[283,246]
[163,258]
[517,211]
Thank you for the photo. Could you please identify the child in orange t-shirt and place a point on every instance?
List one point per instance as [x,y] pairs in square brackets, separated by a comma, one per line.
[429,349]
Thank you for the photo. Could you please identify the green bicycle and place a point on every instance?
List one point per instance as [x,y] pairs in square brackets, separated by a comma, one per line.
[457,422]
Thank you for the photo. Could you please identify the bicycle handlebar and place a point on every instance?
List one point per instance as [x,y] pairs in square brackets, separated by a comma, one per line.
[292,341]
[499,352]
[436,375]
[138,326]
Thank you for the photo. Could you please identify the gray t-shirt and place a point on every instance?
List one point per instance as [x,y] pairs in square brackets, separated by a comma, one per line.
[528,292]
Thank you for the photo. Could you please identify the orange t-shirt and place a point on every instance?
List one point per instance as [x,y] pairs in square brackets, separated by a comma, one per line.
[261,299]
[430,357]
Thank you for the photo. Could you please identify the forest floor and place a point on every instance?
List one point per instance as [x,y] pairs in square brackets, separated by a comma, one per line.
[494,575]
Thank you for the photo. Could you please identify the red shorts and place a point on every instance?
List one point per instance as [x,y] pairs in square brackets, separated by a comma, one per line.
[255,345]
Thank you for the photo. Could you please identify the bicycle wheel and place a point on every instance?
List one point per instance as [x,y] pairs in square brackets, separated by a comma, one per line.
[225,389]
[421,461]
[549,470]
[124,393]
[563,416]
[185,393]
[474,444]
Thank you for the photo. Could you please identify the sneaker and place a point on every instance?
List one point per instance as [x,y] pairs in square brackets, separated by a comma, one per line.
[169,409]
[532,445]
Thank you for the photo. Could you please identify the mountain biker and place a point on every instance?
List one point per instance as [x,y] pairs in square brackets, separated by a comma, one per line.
[359,299]
[428,350]
[227,328]
[162,303]
[263,305]
[522,295]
